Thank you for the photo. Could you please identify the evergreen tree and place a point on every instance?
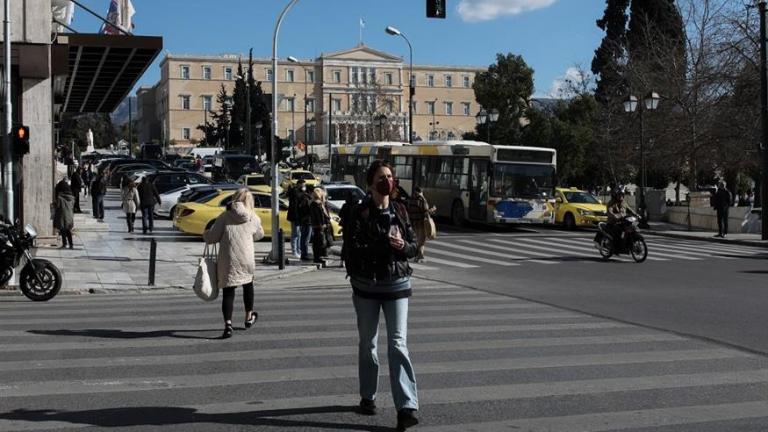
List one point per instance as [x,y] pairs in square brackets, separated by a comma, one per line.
[610,57]
[238,116]
[260,110]
[222,118]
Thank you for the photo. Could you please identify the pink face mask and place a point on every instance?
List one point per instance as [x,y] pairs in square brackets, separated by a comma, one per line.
[385,186]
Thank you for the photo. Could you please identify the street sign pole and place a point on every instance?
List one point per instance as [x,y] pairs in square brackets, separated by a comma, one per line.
[764,118]
[7,151]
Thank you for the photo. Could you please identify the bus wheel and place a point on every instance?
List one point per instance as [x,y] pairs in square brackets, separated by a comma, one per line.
[457,214]
[569,221]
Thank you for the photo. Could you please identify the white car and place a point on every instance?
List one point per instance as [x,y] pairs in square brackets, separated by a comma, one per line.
[168,200]
[339,192]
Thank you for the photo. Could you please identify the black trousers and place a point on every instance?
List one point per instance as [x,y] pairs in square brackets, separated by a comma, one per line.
[77,201]
[228,300]
[318,244]
[722,221]
[130,218]
[66,236]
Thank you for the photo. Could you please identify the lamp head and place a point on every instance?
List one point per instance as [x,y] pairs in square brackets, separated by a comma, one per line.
[652,101]
[630,104]
[494,115]
[482,117]
[392,31]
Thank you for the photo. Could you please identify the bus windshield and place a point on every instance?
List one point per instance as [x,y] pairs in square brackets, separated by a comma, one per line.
[522,180]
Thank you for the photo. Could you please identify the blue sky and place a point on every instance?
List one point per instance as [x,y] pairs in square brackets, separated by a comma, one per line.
[551,35]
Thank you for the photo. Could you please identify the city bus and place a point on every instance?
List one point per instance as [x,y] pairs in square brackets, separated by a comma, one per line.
[466,180]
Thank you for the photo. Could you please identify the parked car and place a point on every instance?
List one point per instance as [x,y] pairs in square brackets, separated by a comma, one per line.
[229,167]
[168,180]
[169,199]
[117,175]
[340,192]
[293,176]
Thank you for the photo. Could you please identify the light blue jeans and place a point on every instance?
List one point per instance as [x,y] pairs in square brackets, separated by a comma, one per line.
[295,239]
[402,379]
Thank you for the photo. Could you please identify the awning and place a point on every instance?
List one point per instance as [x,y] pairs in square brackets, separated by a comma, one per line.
[102,69]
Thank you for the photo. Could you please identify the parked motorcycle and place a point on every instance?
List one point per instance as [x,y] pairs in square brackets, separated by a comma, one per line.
[631,241]
[39,279]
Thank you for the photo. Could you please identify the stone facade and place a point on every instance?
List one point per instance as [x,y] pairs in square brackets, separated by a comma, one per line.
[362,90]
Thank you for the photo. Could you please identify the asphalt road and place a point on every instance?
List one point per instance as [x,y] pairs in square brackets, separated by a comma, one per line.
[702,289]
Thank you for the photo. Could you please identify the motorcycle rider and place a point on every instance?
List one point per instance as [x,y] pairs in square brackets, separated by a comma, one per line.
[617,211]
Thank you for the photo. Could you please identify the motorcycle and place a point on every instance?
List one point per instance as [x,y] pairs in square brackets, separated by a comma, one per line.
[631,241]
[40,279]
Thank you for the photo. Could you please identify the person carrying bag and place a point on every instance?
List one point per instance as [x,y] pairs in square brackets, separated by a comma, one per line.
[206,284]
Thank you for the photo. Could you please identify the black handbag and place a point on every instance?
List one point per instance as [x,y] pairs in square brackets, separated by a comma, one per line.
[328,233]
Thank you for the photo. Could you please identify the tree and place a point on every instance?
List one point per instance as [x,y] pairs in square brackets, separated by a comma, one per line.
[507,85]
[610,58]
[74,128]
[222,119]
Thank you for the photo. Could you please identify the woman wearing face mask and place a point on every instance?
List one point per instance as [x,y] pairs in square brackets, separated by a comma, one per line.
[379,243]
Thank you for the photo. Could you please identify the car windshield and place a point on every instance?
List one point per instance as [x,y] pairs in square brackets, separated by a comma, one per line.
[343,194]
[523,181]
[580,198]
[257,181]
[302,175]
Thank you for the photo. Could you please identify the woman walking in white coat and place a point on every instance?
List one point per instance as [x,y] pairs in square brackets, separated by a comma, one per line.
[235,231]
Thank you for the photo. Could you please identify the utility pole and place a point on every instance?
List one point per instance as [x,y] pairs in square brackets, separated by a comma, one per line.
[330,131]
[7,150]
[764,118]
[130,126]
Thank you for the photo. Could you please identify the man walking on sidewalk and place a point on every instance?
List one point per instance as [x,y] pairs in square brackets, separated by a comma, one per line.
[722,202]
[98,190]
[148,197]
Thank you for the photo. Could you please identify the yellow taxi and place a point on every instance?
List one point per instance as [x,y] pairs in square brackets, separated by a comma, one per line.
[196,217]
[575,208]
[292,177]
[257,183]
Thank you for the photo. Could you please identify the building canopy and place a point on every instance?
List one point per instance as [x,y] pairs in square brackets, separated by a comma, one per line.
[98,71]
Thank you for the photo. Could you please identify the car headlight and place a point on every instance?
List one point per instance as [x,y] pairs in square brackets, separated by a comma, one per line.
[585,212]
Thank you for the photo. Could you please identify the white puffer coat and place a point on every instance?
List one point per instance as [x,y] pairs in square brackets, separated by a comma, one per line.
[235,231]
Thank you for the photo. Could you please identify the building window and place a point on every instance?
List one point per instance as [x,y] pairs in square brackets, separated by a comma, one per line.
[448,81]
[269,75]
[311,76]
[290,104]
[431,107]
[185,133]
[206,72]
[228,73]
[310,105]
[466,107]
[207,103]
[184,72]
[337,76]
[466,81]
[430,80]
[390,105]
[289,75]
[310,133]
[355,75]
[449,108]
[336,105]
[185,102]
[388,79]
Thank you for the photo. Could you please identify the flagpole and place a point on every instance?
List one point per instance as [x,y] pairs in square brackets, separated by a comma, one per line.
[360,23]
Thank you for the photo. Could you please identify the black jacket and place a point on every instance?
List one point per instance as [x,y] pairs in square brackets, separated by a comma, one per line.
[367,253]
[148,195]
[722,199]
[318,217]
[77,182]
[99,185]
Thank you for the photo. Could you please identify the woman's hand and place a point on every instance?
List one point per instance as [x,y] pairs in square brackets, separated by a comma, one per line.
[397,243]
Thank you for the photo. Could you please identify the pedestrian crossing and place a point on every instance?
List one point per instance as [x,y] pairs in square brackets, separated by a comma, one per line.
[509,251]
[484,362]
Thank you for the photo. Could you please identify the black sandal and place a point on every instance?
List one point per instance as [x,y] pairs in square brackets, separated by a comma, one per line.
[250,322]
[227,331]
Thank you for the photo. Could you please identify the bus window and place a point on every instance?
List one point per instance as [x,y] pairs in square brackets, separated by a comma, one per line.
[432,166]
[446,172]
[420,172]
[403,167]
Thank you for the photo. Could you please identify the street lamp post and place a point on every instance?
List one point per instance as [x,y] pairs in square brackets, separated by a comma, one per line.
[489,117]
[227,109]
[764,116]
[293,127]
[275,171]
[293,59]
[248,137]
[259,125]
[411,79]
[651,103]
[433,125]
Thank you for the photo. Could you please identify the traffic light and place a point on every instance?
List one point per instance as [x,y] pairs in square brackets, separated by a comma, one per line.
[436,8]
[20,139]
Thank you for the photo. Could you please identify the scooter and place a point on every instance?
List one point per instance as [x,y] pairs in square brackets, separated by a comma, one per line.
[631,241]
[40,279]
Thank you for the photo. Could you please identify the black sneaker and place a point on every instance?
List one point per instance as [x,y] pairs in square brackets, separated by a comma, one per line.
[406,418]
[367,407]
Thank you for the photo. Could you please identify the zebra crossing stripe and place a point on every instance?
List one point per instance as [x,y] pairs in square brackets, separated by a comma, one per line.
[506,249]
[492,253]
[721,248]
[430,259]
[434,250]
[621,420]
[652,256]
[526,243]
[680,249]
[133,384]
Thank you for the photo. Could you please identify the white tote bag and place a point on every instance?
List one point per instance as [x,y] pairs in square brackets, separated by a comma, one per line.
[206,285]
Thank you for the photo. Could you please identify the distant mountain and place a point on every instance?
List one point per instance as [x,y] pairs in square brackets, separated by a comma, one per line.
[120,114]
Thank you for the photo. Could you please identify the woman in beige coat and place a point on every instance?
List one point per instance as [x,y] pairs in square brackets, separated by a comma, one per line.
[235,231]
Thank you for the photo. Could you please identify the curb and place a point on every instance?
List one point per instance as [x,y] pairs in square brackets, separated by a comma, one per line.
[754,243]
[9,292]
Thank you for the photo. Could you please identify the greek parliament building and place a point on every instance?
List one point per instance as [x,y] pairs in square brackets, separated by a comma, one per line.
[364,92]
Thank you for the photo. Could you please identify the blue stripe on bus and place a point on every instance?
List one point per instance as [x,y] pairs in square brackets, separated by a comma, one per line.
[513,209]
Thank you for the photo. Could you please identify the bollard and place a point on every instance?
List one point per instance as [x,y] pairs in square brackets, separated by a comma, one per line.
[152,259]
[280,249]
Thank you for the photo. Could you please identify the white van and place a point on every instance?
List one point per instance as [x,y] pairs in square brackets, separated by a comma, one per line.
[206,151]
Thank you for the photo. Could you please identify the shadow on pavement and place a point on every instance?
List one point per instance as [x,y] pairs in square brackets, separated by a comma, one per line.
[121,334]
[755,271]
[162,416]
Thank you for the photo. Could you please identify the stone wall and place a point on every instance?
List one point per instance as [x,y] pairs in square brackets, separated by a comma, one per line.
[740,219]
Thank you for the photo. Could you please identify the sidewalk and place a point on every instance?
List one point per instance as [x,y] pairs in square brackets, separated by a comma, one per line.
[106,258]
[681,231]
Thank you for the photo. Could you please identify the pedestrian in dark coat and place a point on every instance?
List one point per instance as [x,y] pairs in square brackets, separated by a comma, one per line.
[76,183]
[321,223]
[722,202]
[293,217]
[148,197]
[304,218]
[98,190]
[379,240]
[64,213]
[86,177]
